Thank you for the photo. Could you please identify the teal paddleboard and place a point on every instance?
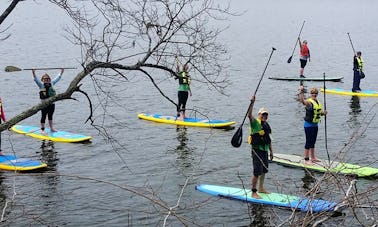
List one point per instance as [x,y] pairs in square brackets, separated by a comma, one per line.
[297,78]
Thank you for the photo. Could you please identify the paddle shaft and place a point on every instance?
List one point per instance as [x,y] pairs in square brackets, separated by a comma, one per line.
[325,117]
[351,43]
[296,41]
[50,68]
[258,85]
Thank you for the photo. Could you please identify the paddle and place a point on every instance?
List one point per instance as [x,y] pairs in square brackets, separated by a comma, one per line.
[325,118]
[11,68]
[237,138]
[296,41]
[350,40]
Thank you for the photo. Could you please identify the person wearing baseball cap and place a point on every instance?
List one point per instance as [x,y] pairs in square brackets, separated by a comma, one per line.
[260,141]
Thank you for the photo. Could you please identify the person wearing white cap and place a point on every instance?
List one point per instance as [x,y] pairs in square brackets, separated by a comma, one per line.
[261,144]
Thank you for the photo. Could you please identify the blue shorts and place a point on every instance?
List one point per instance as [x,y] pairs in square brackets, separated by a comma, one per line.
[311,134]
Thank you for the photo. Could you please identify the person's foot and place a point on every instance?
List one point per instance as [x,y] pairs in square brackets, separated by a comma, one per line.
[301,76]
[1,153]
[52,130]
[315,160]
[255,195]
[264,191]
[44,132]
[308,163]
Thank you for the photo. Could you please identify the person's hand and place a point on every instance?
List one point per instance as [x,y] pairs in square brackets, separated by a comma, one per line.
[253,98]
[33,71]
[301,89]
[61,71]
[271,155]
[325,112]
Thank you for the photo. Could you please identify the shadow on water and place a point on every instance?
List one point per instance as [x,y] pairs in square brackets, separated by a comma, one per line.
[308,179]
[49,155]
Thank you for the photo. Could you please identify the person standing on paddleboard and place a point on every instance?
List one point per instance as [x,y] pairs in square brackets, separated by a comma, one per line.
[46,91]
[2,117]
[313,113]
[304,56]
[358,74]
[183,90]
[261,144]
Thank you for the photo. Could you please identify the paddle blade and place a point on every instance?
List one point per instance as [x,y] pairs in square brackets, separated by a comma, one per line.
[11,68]
[237,138]
[289,60]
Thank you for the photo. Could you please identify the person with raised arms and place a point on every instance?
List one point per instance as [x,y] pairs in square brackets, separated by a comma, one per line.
[183,89]
[312,118]
[261,144]
[46,91]
[304,56]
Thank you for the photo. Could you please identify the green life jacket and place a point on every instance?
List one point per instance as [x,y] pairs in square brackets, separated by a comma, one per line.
[47,91]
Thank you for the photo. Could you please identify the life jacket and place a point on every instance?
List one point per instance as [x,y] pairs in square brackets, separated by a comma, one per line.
[304,52]
[360,63]
[313,114]
[261,137]
[47,91]
[183,78]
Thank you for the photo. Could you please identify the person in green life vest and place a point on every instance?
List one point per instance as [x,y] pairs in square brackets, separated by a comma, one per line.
[2,117]
[183,89]
[260,139]
[313,113]
[46,90]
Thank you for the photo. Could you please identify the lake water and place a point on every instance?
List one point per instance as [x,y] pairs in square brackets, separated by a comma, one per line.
[134,178]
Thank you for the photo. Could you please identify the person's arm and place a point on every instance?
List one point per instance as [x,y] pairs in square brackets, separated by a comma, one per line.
[271,151]
[58,77]
[301,96]
[250,110]
[2,111]
[300,43]
[36,80]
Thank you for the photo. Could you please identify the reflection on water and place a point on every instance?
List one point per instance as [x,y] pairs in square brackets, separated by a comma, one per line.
[259,215]
[49,155]
[185,157]
[355,109]
[307,180]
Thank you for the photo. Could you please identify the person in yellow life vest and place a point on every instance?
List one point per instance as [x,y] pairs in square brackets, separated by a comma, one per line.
[183,90]
[312,118]
[46,90]
[261,144]
[2,117]
[358,74]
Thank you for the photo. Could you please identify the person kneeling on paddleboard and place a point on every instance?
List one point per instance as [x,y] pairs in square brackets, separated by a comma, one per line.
[46,91]
[313,113]
[261,144]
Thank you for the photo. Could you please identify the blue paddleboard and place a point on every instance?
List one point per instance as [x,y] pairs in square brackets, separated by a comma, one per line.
[274,199]
[13,163]
[58,136]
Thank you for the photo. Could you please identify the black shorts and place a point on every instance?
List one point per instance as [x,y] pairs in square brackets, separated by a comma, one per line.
[260,162]
[303,63]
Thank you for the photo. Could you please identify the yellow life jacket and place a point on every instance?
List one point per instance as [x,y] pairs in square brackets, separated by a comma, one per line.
[313,114]
[360,63]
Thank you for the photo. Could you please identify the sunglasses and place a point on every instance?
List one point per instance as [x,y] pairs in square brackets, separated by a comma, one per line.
[314,93]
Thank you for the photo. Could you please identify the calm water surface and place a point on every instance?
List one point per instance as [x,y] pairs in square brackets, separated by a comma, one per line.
[101,183]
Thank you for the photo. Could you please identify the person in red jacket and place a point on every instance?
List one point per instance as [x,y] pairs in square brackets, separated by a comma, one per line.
[2,117]
[304,55]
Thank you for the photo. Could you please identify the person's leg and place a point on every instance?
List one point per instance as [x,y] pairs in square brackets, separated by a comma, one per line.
[314,135]
[43,119]
[50,113]
[307,146]
[356,81]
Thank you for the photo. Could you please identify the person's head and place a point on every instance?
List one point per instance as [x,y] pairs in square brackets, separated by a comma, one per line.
[314,92]
[358,53]
[45,78]
[304,42]
[263,114]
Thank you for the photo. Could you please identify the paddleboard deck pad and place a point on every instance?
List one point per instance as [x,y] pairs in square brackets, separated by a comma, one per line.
[297,78]
[197,122]
[274,199]
[13,163]
[59,136]
[340,91]
[324,166]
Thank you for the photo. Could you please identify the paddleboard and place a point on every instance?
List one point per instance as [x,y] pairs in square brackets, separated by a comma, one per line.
[59,136]
[340,91]
[13,163]
[297,78]
[274,199]
[198,122]
[324,166]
